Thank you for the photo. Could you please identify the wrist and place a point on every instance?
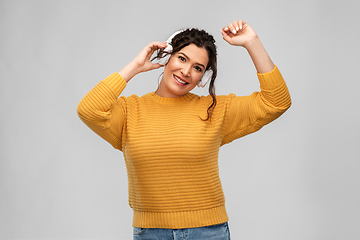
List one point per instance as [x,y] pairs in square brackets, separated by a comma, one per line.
[129,71]
[252,44]
[259,56]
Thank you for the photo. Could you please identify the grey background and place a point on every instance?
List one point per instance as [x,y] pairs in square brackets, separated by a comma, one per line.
[297,178]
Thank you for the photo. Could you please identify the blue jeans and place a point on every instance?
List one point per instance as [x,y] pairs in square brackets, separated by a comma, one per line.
[215,232]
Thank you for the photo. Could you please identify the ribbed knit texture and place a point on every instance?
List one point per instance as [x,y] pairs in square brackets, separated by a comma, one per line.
[171,154]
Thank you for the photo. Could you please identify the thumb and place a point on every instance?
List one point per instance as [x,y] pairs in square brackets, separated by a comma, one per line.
[225,36]
[156,66]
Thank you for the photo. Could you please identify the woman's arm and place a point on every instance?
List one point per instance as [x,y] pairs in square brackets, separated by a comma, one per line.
[248,114]
[141,62]
[102,110]
[239,33]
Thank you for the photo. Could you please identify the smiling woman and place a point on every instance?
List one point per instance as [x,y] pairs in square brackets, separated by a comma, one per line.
[198,41]
[183,71]
[171,137]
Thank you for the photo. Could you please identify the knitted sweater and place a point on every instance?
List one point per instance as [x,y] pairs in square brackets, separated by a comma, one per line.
[171,154]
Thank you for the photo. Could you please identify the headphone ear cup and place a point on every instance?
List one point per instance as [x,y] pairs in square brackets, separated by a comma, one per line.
[205,78]
[168,50]
[164,60]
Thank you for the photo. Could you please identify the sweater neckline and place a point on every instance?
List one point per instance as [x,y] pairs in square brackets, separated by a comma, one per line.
[170,100]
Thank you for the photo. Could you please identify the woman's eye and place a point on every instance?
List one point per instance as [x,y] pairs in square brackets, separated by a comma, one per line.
[182,58]
[198,68]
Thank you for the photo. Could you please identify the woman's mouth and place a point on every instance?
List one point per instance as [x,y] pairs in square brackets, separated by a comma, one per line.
[180,81]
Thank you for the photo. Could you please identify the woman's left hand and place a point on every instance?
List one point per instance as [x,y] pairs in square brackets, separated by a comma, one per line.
[238,33]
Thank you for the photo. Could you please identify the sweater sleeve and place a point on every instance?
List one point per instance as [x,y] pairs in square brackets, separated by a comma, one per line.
[102,111]
[248,114]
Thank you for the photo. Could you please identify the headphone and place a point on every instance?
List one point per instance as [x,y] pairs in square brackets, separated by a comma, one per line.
[164,60]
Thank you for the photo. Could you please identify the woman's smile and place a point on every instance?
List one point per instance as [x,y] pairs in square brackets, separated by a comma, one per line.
[180,81]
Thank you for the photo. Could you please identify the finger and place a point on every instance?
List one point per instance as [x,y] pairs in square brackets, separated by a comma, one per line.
[236,25]
[159,45]
[241,24]
[152,47]
[157,65]
[226,30]
[232,28]
[155,43]
[154,66]
[225,35]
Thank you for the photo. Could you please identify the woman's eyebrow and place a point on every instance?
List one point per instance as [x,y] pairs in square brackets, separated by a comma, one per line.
[188,59]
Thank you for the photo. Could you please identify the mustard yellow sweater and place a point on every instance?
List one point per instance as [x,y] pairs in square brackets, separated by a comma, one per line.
[171,155]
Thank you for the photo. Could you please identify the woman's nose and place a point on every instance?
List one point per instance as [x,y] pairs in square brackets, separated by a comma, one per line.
[186,71]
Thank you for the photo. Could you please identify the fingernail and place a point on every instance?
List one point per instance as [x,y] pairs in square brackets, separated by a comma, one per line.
[226,29]
[237,28]
[234,31]
[240,27]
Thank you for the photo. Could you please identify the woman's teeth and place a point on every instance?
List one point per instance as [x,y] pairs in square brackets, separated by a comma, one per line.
[180,81]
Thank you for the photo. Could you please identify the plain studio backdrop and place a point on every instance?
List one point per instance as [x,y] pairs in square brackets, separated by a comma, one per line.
[297,178]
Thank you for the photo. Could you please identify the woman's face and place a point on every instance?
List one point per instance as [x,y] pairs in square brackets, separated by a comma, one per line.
[183,71]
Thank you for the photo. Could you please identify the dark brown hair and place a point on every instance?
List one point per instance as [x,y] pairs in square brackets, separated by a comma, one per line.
[201,39]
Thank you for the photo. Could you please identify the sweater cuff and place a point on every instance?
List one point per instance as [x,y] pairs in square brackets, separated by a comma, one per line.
[270,80]
[116,83]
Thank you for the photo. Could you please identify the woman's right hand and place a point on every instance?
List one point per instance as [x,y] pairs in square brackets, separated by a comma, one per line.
[141,62]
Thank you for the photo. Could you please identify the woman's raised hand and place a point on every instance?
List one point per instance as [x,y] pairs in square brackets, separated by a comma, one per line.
[238,33]
[141,62]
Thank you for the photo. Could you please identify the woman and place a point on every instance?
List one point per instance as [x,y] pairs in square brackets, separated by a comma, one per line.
[170,138]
